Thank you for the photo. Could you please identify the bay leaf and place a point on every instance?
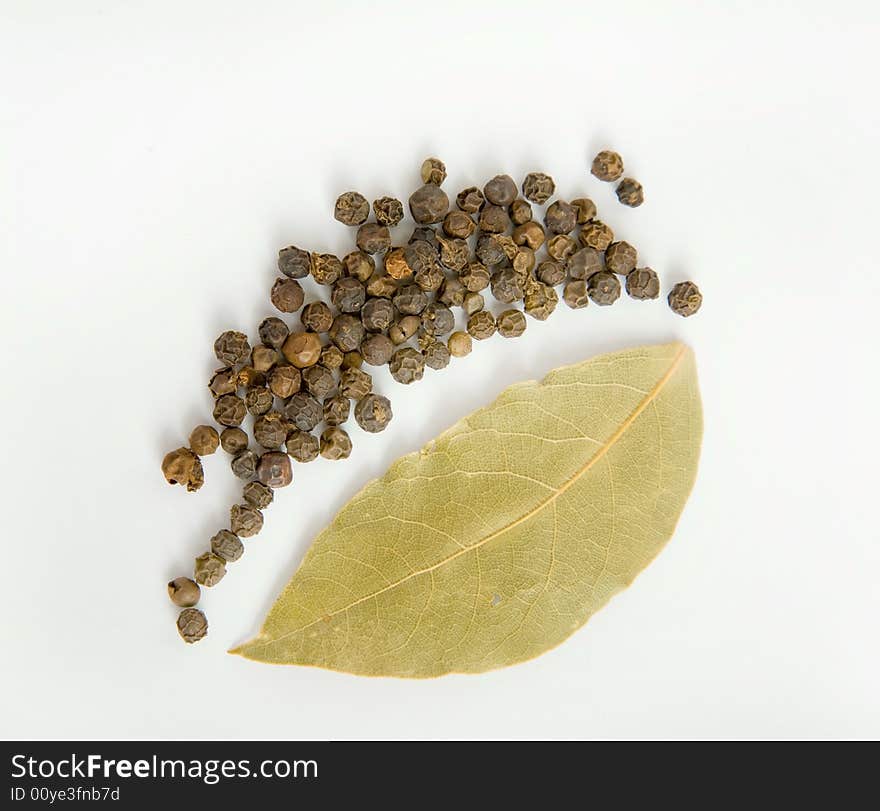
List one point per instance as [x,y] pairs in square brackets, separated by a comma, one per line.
[499,539]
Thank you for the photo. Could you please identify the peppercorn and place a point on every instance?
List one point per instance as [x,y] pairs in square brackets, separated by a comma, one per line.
[585,209]
[377,314]
[373,238]
[429,279]
[248,377]
[428,204]
[507,286]
[373,413]
[377,349]
[630,192]
[335,443]
[270,430]
[481,325]
[494,219]
[229,410]
[284,380]
[459,344]
[407,365]
[454,253]
[404,329]
[232,348]
[331,357]
[436,353]
[184,592]
[318,380]
[489,250]
[263,358]
[410,300]
[244,465]
[561,247]
[437,319]
[529,233]
[209,569]
[347,332]
[507,244]
[388,211]
[424,233]
[685,299]
[520,212]
[381,285]
[607,165]
[358,265]
[287,295]
[421,256]
[222,382]
[433,171]
[473,303]
[396,265]
[233,440]
[244,520]
[196,478]
[538,187]
[336,409]
[550,272]
[500,190]
[302,446]
[348,295]
[470,199]
[584,263]
[293,262]
[511,324]
[561,217]
[177,466]
[304,411]
[352,360]
[355,384]
[192,625]
[575,294]
[351,208]
[540,300]
[451,293]
[641,283]
[316,316]
[228,546]
[258,400]
[258,495]
[273,331]
[458,224]
[274,469]
[603,288]
[326,268]
[204,440]
[620,257]
[475,277]
[524,262]
[302,349]
[596,234]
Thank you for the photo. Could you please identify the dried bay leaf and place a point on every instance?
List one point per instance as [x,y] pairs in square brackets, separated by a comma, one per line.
[502,537]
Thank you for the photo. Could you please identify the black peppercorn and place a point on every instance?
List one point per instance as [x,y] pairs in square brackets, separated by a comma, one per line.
[263,358]
[459,344]
[248,376]
[585,208]
[244,465]
[507,285]
[507,245]
[421,256]
[630,192]
[245,521]
[270,430]
[550,272]
[396,265]
[494,219]
[287,295]
[596,234]
[373,413]
[358,265]
[232,348]
[540,300]
[561,247]
[451,292]
[227,545]
[331,357]
[489,250]
[538,187]
[316,317]
[352,360]
[388,211]
[348,295]
[258,495]
[258,400]
[575,294]
[318,381]
[304,411]
[274,470]
[204,440]
[293,262]
[641,283]
[475,277]
[561,217]
[424,233]
[520,212]
[433,171]
[355,384]
[473,303]
[233,440]
[428,204]
[373,238]
[377,349]
[192,625]
[326,268]
[283,381]
[302,446]
[620,257]
[481,325]
[604,288]
[511,324]
[437,319]
[500,190]
[335,443]
[209,569]
[223,382]
[303,349]
[470,199]
[404,329]
[584,263]
[454,253]
[184,592]
[351,208]
[336,409]
[229,410]
[407,365]
[377,314]
[273,331]
[524,262]
[436,353]
[607,165]
[197,477]
[347,332]
[685,299]
[529,233]
[458,224]
[178,466]
[410,300]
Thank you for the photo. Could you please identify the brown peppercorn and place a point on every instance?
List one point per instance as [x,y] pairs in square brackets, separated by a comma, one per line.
[550,272]
[232,348]
[244,465]
[470,199]
[520,212]
[358,265]
[585,208]
[540,300]
[196,478]
[326,268]
[355,384]
[454,253]
[352,360]
[584,263]
[258,400]
[233,440]
[458,224]
[351,208]
[229,410]
[318,380]
[538,187]
[263,358]
[507,244]
[511,324]
[494,219]
[396,265]
[283,381]
[222,382]
[244,520]
[377,314]
[473,303]
[373,413]
[433,171]
[273,331]
[437,319]
[530,234]
[481,325]
[331,357]
[451,292]
[489,250]
[524,262]
[274,470]
[507,286]
[248,376]
[561,217]
[407,365]
[685,299]
[348,295]
[373,238]
[424,233]
[184,592]
[428,204]
[347,332]
[596,234]
[377,349]
[641,283]
[620,257]
[270,430]
[475,277]
[293,262]
[436,353]
[607,165]
[336,409]
[404,329]
[304,411]
[604,288]
[287,295]
[421,256]
[410,300]
[192,625]
[204,440]
[500,190]
[561,247]
[302,349]
[227,545]
[316,317]
[335,443]
[388,211]
[459,344]
[209,569]
[575,294]
[381,285]
[258,495]
[630,192]
[177,466]
[302,446]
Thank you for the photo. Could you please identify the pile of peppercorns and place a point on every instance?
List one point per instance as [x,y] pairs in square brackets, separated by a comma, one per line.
[383,298]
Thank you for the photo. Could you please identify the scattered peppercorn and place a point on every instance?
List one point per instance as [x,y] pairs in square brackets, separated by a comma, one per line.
[520,212]
[348,295]
[377,314]
[287,295]
[642,283]
[244,465]
[352,360]
[433,171]
[494,219]
[232,348]
[561,247]
[229,410]
[604,288]
[507,286]
[470,199]
[373,238]
[630,192]
[326,268]
[524,262]
[302,349]
[685,299]
[410,300]
[458,224]
[222,382]
[373,413]
[561,217]
[575,294]
[529,233]
[248,376]
[351,208]
[302,446]
[451,293]
[540,300]
[316,317]
[620,257]
[607,165]
[500,190]
[436,353]
[377,349]
[209,569]
[489,250]
[511,324]
[233,440]
[263,358]
[428,204]
[585,208]
[294,262]
[584,263]
[437,319]
[283,381]
[538,187]
[184,592]
[244,520]
[192,625]
[481,325]
[347,332]
[596,234]
[258,495]
[460,344]
[335,443]
[454,253]
[475,277]
[304,411]
[270,430]
[204,440]
[273,331]
[396,265]
[336,409]
[388,211]
[405,328]
[227,545]
[274,470]
[407,365]
[550,272]
[473,303]
[318,380]
[355,384]
[258,400]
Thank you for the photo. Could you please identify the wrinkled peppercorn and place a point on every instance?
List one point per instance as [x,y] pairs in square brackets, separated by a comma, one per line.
[459,344]
[511,324]
[351,208]
[283,381]
[233,440]
[507,244]
[318,380]
[407,365]
[347,332]
[420,256]
[550,272]
[561,247]
[377,349]
[358,265]
[620,257]
[287,295]
[469,199]
[530,234]
[178,466]
[326,268]
[437,319]
[331,357]
[388,211]
[585,208]
[410,300]
[204,440]
[473,303]
[348,295]
[270,430]
[561,217]
[451,292]
[428,204]
[575,294]
[304,411]
[273,331]
[352,360]
[222,382]
[604,288]
[248,377]
[538,187]
[540,300]
[184,592]
[424,233]
[302,446]
[336,409]
[302,349]
[209,569]
[227,545]
[642,283]
[507,285]
[630,192]
[258,400]
[245,521]
[396,265]
[244,465]
[229,410]
[373,238]
[433,171]
[481,325]
[524,262]
[373,413]
[494,219]
[377,314]
[520,212]
[232,348]
[584,263]
[293,262]
[454,253]
[192,625]
[316,317]
[685,299]
[500,190]
[274,470]
[607,165]
[196,478]
[355,384]
[335,443]
[475,277]
[258,495]
[596,234]
[436,353]
[263,358]
[458,224]
[404,329]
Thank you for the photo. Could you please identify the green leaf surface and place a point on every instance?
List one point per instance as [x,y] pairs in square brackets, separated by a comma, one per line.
[499,539]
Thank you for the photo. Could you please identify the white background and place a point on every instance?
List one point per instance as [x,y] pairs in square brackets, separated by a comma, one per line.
[155,157]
